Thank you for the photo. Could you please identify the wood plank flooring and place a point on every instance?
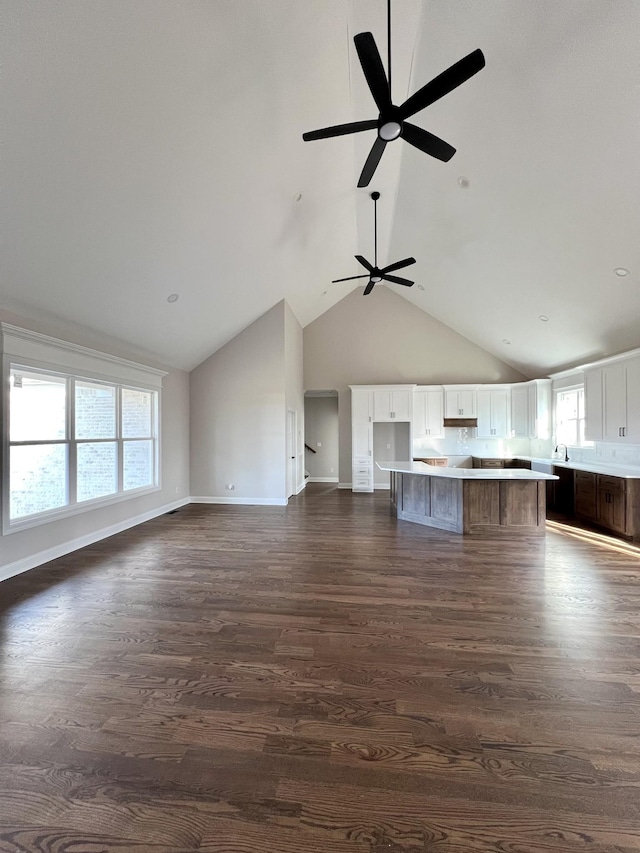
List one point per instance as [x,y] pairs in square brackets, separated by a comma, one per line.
[322,677]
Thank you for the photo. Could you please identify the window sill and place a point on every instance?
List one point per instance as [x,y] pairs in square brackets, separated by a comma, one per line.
[77,509]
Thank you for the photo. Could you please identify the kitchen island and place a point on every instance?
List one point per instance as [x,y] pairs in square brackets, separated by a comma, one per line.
[471,501]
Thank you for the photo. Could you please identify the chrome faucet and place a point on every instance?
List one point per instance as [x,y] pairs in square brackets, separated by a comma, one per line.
[566,452]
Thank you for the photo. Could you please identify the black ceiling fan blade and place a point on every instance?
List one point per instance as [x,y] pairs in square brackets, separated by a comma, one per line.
[350,278]
[427,142]
[373,69]
[340,130]
[398,265]
[397,280]
[444,83]
[368,288]
[365,263]
[372,162]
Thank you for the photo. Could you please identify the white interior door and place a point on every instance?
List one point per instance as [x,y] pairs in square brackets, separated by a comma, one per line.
[292,452]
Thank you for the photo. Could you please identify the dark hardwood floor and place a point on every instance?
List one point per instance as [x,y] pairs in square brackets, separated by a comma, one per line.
[322,678]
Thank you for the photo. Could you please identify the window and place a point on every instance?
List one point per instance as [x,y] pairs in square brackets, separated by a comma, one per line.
[570,418]
[75,441]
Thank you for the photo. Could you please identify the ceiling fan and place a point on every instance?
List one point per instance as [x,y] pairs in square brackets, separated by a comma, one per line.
[392,120]
[374,273]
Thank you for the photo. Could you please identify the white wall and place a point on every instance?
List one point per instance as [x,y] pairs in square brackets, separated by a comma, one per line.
[294,387]
[382,339]
[22,550]
[321,425]
[238,417]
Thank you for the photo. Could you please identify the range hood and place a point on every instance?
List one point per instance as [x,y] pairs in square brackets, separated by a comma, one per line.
[459,423]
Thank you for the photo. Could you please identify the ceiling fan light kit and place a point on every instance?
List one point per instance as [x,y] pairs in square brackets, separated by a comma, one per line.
[392,123]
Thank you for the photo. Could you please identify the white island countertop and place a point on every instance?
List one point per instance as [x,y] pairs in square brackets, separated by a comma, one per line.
[408,467]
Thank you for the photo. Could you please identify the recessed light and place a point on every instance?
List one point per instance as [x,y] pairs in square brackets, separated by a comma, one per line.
[506,341]
[544,318]
[464,182]
[173,298]
[420,287]
[621,271]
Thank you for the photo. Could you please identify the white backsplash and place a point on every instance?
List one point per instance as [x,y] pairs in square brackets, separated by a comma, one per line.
[462,442]
[613,453]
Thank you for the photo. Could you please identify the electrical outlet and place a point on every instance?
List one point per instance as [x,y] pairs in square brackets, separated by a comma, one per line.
[230,487]
[388,446]
[331,470]
[318,444]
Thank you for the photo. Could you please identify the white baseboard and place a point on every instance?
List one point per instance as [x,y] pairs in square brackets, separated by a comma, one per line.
[301,487]
[34,560]
[239,501]
[345,485]
[323,480]
[377,486]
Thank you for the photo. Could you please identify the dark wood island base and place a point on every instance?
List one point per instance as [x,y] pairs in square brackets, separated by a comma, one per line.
[476,507]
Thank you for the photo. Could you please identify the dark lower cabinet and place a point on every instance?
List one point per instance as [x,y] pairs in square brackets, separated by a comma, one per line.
[586,502]
[561,497]
[609,502]
[612,503]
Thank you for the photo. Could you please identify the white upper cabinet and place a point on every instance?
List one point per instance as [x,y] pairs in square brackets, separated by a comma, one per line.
[540,408]
[460,402]
[428,412]
[361,406]
[493,412]
[390,405]
[614,393]
[531,409]
[612,401]
[520,421]
[593,405]
[633,400]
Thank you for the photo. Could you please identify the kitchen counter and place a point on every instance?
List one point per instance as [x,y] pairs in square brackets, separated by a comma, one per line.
[470,501]
[421,468]
[626,471]
[608,468]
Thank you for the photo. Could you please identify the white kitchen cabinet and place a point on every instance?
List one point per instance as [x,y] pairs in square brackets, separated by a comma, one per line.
[460,401]
[370,404]
[362,439]
[428,412]
[615,401]
[362,444]
[593,405]
[391,405]
[632,366]
[520,422]
[531,409]
[361,405]
[492,405]
[612,402]
[540,408]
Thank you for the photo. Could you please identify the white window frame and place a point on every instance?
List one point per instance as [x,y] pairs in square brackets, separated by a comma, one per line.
[31,351]
[569,389]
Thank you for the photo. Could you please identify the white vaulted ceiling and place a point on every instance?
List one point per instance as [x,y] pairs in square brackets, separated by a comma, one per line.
[154,147]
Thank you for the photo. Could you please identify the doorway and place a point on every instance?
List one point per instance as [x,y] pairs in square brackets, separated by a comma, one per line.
[321,436]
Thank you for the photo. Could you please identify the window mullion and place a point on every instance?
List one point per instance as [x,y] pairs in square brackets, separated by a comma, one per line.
[72,454]
[119,440]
